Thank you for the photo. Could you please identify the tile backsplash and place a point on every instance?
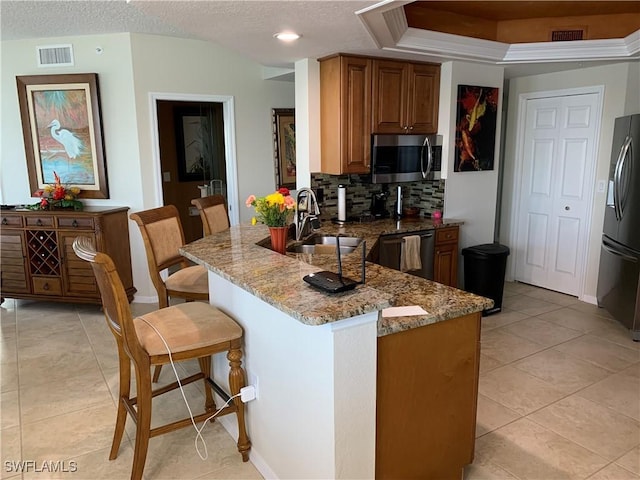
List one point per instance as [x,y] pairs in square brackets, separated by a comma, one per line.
[428,194]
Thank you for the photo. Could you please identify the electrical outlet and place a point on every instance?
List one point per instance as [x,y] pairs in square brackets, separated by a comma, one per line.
[247,393]
[253,381]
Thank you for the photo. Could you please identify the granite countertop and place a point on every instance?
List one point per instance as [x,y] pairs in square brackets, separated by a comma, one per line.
[237,255]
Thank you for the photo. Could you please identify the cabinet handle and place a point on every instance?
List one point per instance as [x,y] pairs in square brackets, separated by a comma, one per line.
[39,223]
[4,221]
[411,127]
[45,286]
[74,223]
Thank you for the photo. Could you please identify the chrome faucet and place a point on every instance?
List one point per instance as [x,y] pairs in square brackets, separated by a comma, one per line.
[307,212]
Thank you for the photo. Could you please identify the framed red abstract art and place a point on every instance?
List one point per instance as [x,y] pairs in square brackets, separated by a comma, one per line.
[476,123]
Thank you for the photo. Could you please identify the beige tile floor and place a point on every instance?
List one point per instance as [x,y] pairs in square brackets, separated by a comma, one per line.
[559,397]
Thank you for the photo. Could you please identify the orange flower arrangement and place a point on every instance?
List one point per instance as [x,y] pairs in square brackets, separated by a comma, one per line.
[57,196]
[274,210]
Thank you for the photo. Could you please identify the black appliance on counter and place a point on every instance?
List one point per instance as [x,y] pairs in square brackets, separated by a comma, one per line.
[379,203]
[405,158]
[619,273]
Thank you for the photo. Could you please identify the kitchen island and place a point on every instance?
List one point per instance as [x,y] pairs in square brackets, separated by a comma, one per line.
[342,391]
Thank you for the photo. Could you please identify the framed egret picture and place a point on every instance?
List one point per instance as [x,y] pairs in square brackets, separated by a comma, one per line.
[62,129]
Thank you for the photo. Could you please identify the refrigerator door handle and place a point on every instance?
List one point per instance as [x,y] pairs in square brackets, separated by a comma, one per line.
[617,253]
[617,176]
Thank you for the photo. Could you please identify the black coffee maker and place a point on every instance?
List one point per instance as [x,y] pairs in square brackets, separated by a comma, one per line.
[379,204]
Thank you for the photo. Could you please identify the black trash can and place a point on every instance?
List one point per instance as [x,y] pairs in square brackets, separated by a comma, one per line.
[484,269]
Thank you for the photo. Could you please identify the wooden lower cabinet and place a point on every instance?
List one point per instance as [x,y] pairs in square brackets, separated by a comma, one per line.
[427,392]
[37,260]
[445,258]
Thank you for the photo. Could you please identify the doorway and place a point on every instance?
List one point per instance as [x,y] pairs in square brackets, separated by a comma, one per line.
[194,154]
[558,134]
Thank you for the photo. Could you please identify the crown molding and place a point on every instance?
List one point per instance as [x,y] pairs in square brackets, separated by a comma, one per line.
[387,25]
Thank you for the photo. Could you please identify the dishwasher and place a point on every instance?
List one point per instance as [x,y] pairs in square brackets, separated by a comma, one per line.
[390,247]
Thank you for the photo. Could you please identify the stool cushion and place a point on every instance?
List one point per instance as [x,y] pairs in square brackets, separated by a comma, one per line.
[187,326]
[190,279]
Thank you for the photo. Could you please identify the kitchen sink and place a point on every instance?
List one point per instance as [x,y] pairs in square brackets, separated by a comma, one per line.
[318,243]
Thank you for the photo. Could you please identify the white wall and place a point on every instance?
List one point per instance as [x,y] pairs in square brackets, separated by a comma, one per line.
[315,414]
[621,97]
[118,113]
[129,69]
[468,196]
[632,103]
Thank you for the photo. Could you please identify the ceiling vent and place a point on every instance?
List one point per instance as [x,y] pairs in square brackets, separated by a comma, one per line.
[55,56]
[567,35]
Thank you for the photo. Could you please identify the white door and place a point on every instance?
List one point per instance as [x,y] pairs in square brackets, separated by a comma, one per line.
[558,166]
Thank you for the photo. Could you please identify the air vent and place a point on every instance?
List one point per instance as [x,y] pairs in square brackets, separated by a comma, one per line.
[55,56]
[566,35]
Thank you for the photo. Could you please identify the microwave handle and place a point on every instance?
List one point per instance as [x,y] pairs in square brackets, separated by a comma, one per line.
[427,144]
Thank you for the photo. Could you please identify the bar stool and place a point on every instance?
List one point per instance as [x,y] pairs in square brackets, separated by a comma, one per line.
[190,330]
[213,212]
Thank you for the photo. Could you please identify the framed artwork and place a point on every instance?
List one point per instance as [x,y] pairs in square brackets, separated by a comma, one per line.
[193,144]
[476,121]
[284,136]
[62,129]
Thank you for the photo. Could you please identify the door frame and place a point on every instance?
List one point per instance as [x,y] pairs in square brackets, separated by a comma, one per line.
[228,113]
[519,167]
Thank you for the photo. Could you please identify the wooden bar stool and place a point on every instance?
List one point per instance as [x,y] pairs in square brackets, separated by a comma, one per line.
[162,235]
[213,212]
[190,330]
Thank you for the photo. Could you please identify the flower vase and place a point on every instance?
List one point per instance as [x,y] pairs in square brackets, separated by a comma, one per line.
[279,239]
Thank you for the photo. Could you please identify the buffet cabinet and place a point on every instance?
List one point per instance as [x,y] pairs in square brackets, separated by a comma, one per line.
[364,95]
[37,260]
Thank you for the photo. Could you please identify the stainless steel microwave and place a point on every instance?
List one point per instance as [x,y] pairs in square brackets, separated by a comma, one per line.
[405,158]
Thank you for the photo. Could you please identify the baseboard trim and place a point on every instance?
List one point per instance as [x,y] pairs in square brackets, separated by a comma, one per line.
[231,426]
[590,299]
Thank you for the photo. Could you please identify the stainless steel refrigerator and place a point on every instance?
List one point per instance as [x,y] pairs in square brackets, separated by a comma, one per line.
[619,274]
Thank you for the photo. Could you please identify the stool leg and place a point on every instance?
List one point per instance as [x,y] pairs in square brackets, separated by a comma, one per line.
[205,368]
[143,425]
[123,393]
[237,380]
[156,373]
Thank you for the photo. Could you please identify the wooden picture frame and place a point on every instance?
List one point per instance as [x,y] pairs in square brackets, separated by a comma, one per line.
[62,129]
[284,136]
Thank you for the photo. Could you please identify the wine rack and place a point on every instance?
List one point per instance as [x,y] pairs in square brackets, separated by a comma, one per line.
[43,252]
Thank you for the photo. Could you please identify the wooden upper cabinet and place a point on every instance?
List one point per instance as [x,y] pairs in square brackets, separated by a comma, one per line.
[345,114]
[405,97]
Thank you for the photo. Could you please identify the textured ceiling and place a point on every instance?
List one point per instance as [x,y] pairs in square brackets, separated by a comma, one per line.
[243,26]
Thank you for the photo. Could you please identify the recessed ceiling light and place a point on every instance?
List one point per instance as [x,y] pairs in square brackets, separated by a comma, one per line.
[287,36]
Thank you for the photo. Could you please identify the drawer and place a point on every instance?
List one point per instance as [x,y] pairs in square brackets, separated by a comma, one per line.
[11,221]
[80,223]
[43,221]
[446,235]
[47,285]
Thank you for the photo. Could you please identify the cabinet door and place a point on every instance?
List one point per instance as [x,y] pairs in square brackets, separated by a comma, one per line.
[446,256]
[390,96]
[13,269]
[446,265]
[77,274]
[423,93]
[356,114]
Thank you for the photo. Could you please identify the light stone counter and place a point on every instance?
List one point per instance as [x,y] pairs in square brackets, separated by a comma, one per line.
[237,255]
